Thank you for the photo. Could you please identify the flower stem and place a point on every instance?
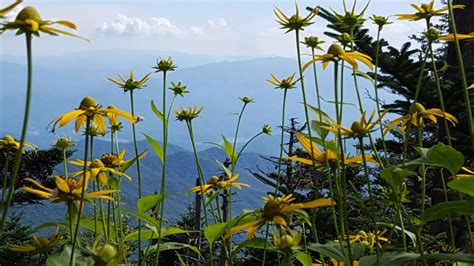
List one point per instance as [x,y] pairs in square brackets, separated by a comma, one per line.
[467,99]
[308,121]
[16,164]
[282,139]
[139,178]
[377,99]
[163,168]
[371,197]
[84,181]
[5,177]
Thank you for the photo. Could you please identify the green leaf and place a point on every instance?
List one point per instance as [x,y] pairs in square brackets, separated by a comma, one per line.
[149,202]
[124,167]
[147,234]
[156,147]
[170,246]
[441,210]
[389,259]
[456,257]
[464,185]
[214,231]
[395,175]
[143,216]
[157,112]
[62,258]
[325,118]
[90,225]
[333,250]
[316,127]
[410,234]
[447,157]
[304,258]
[181,261]
[256,242]
[225,169]
[229,150]
[52,224]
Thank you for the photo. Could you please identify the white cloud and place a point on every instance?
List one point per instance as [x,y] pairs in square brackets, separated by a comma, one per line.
[124,25]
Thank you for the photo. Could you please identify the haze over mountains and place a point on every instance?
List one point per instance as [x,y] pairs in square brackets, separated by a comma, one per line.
[60,82]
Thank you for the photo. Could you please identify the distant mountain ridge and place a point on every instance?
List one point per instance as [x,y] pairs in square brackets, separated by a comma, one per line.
[181,175]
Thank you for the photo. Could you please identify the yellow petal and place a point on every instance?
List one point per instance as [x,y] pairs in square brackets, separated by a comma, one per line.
[34,25]
[38,184]
[61,184]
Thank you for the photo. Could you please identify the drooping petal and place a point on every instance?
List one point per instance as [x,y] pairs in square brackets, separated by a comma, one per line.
[39,185]
[61,184]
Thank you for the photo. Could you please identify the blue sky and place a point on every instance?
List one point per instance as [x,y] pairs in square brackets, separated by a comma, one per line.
[224,27]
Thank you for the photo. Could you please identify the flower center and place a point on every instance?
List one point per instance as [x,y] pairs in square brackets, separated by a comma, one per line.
[271,208]
[336,50]
[29,12]
[96,164]
[87,103]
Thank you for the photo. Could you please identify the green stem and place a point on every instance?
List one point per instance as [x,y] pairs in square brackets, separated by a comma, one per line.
[446,199]
[371,197]
[402,225]
[361,107]
[282,139]
[308,121]
[198,165]
[139,177]
[377,99]
[467,99]
[423,170]
[16,164]
[81,201]
[340,179]
[163,168]
[5,177]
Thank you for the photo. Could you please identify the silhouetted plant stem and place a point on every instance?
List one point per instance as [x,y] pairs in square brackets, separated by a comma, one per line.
[16,164]
[84,181]
[462,72]
[377,99]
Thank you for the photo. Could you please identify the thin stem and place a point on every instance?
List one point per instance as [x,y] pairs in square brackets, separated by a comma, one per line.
[198,165]
[446,199]
[371,197]
[308,121]
[282,139]
[16,164]
[377,99]
[84,181]
[467,98]
[139,177]
[361,107]
[340,191]
[5,177]
[163,168]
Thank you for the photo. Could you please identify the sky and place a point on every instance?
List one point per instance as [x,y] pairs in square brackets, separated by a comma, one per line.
[224,27]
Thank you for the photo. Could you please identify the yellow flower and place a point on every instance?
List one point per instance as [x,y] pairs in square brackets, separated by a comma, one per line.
[295,22]
[336,53]
[417,113]
[426,11]
[97,169]
[216,183]
[380,21]
[39,245]
[358,128]
[9,143]
[450,37]
[29,21]
[68,190]
[130,83]
[286,83]
[277,210]
[369,239]
[5,10]
[64,143]
[89,108]
[320,157]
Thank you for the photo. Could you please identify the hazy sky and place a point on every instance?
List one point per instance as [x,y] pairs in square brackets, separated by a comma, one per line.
[224,27]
